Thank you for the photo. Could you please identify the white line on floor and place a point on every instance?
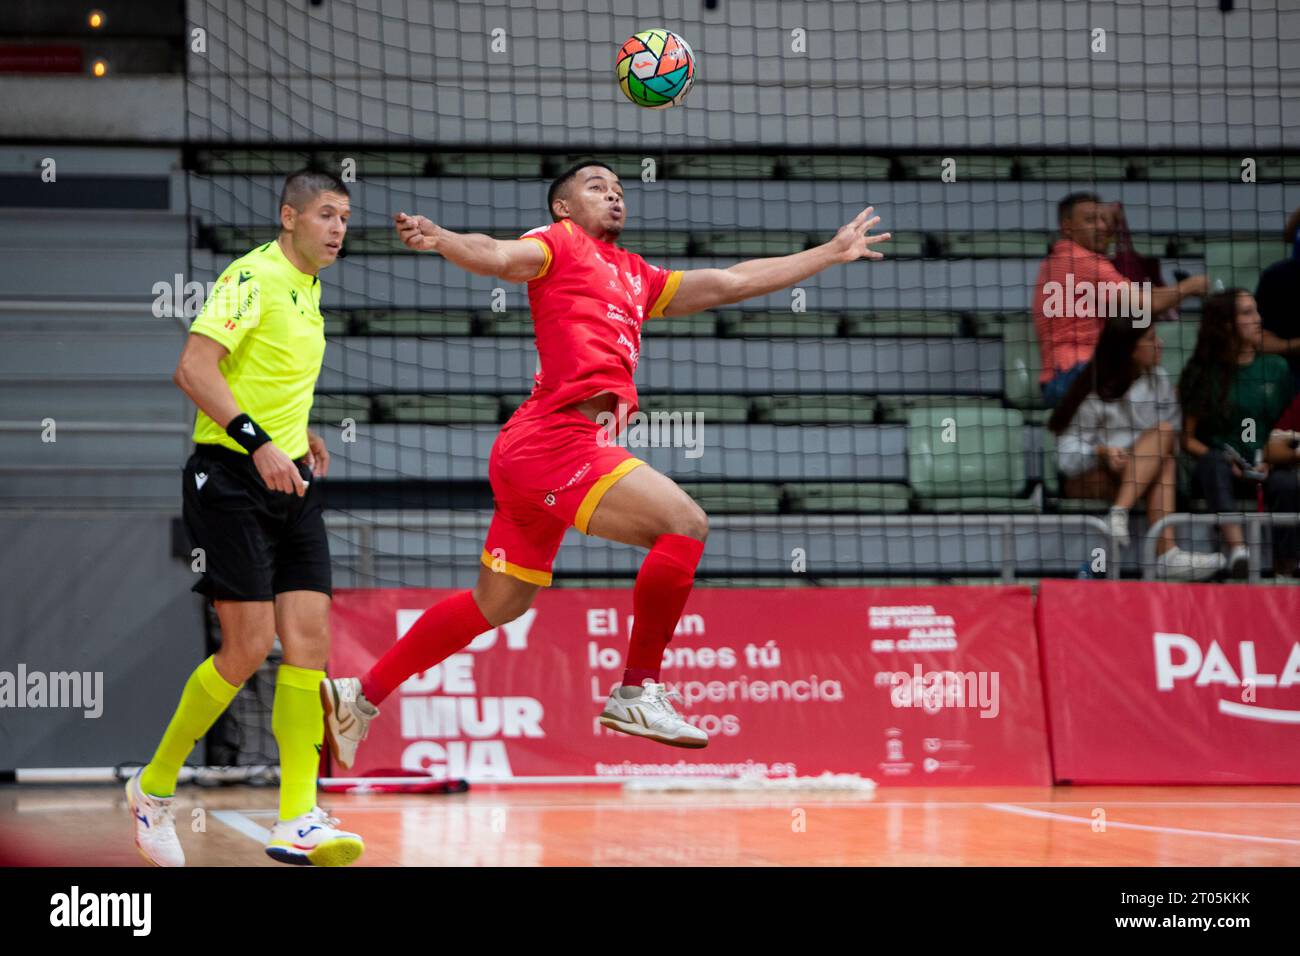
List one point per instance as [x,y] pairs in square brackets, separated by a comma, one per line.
[1116,825]
[236,820]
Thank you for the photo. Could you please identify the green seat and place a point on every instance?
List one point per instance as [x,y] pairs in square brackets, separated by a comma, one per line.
[370,162]
[1238,263]
[969,166]
[1020,366]
[749,243]
[251,162]
[717,497]
[699,324]
[896,409]
[815,409]
[439,409]
[1079,168]
[328,409]
[657,243]
[972,455]
[1177,344]
[718,166]
[522,165]
[413,322]
[903,322]
[996,323]
[979,504]
[855,497]
[849,168]
[770,323]
[1025,244]
[715,409]
[516,323]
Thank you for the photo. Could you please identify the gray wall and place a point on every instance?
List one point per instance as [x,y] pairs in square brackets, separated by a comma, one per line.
[95,592]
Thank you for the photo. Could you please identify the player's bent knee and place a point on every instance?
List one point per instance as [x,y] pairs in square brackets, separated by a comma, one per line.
[691,522]
[502,603]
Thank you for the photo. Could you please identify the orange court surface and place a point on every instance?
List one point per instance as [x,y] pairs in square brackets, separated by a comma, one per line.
[596,825]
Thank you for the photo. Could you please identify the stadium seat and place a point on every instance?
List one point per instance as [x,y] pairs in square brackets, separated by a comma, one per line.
[735,497]
[1237,263]
[766,324]
[815,409]
[903,322]
[714,409]
[1021,364]
[981,465]
[1178,343]
[855,497]
[439,409]
[897,408]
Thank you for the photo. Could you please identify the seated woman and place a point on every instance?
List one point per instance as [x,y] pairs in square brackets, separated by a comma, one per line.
[1232,396]
[1117,431]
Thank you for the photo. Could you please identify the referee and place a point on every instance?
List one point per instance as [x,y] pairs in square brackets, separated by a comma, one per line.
[252,503]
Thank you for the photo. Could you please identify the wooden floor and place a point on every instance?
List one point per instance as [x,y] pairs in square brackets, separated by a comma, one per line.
[606,826]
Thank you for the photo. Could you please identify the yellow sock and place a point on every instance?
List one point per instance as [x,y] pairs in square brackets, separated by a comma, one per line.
[299,727]
[205,696]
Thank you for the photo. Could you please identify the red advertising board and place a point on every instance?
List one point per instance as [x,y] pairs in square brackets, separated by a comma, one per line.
[918,686]
[1171,683]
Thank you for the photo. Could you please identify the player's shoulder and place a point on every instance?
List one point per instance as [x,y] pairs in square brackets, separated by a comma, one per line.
[554,232]
[257,263]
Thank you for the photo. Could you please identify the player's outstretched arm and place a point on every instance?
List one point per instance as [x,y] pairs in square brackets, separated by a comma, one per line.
[702,289]
[513,260]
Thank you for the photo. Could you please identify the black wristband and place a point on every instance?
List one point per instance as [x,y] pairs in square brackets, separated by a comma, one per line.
[247,432]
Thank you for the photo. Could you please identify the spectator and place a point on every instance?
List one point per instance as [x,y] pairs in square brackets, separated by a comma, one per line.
[1283,456]
[1278,295]
[1232,394]
[1072,289]
[1118,438]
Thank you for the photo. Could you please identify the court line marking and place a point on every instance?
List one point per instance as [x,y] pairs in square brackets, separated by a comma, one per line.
[1179,831]
[820,803]
[236,820]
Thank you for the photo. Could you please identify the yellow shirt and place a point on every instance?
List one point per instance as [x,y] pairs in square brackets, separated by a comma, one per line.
[267,314]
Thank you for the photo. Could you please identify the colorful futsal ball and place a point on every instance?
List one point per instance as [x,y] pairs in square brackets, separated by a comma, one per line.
[655,69]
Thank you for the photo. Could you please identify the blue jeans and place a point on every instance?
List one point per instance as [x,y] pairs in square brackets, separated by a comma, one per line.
[1054,388]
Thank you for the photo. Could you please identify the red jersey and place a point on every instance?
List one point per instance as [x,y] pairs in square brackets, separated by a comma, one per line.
[588,303]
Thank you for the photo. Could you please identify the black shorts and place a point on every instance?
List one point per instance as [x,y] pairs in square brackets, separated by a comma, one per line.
[256,542]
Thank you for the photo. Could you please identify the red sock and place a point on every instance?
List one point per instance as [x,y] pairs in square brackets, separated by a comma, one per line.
[438,633]
[662,586]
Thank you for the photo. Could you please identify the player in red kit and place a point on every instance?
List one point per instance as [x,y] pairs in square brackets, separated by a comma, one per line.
[554,464]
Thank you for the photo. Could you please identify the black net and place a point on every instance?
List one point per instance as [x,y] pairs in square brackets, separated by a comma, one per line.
[883,421]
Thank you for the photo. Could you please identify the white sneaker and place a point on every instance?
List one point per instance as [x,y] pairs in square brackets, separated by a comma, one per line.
[347,717]
[1119,526]
[1179,565]
[650,714]
[155,825]
[1239,562]
[313,839]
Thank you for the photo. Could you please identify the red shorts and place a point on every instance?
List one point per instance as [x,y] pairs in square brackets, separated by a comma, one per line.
[547,473]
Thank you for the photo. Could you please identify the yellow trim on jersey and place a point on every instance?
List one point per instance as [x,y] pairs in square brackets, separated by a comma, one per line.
[666,296]
[545,249]
[568,225]
[583,518]
[527,575]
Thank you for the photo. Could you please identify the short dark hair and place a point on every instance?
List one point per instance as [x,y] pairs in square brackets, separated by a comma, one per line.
[304,185]
[1066,206]
[565,178]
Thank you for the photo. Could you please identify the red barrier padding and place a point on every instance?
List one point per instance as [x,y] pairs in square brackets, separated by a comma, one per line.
[1171,683]
[909,686]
